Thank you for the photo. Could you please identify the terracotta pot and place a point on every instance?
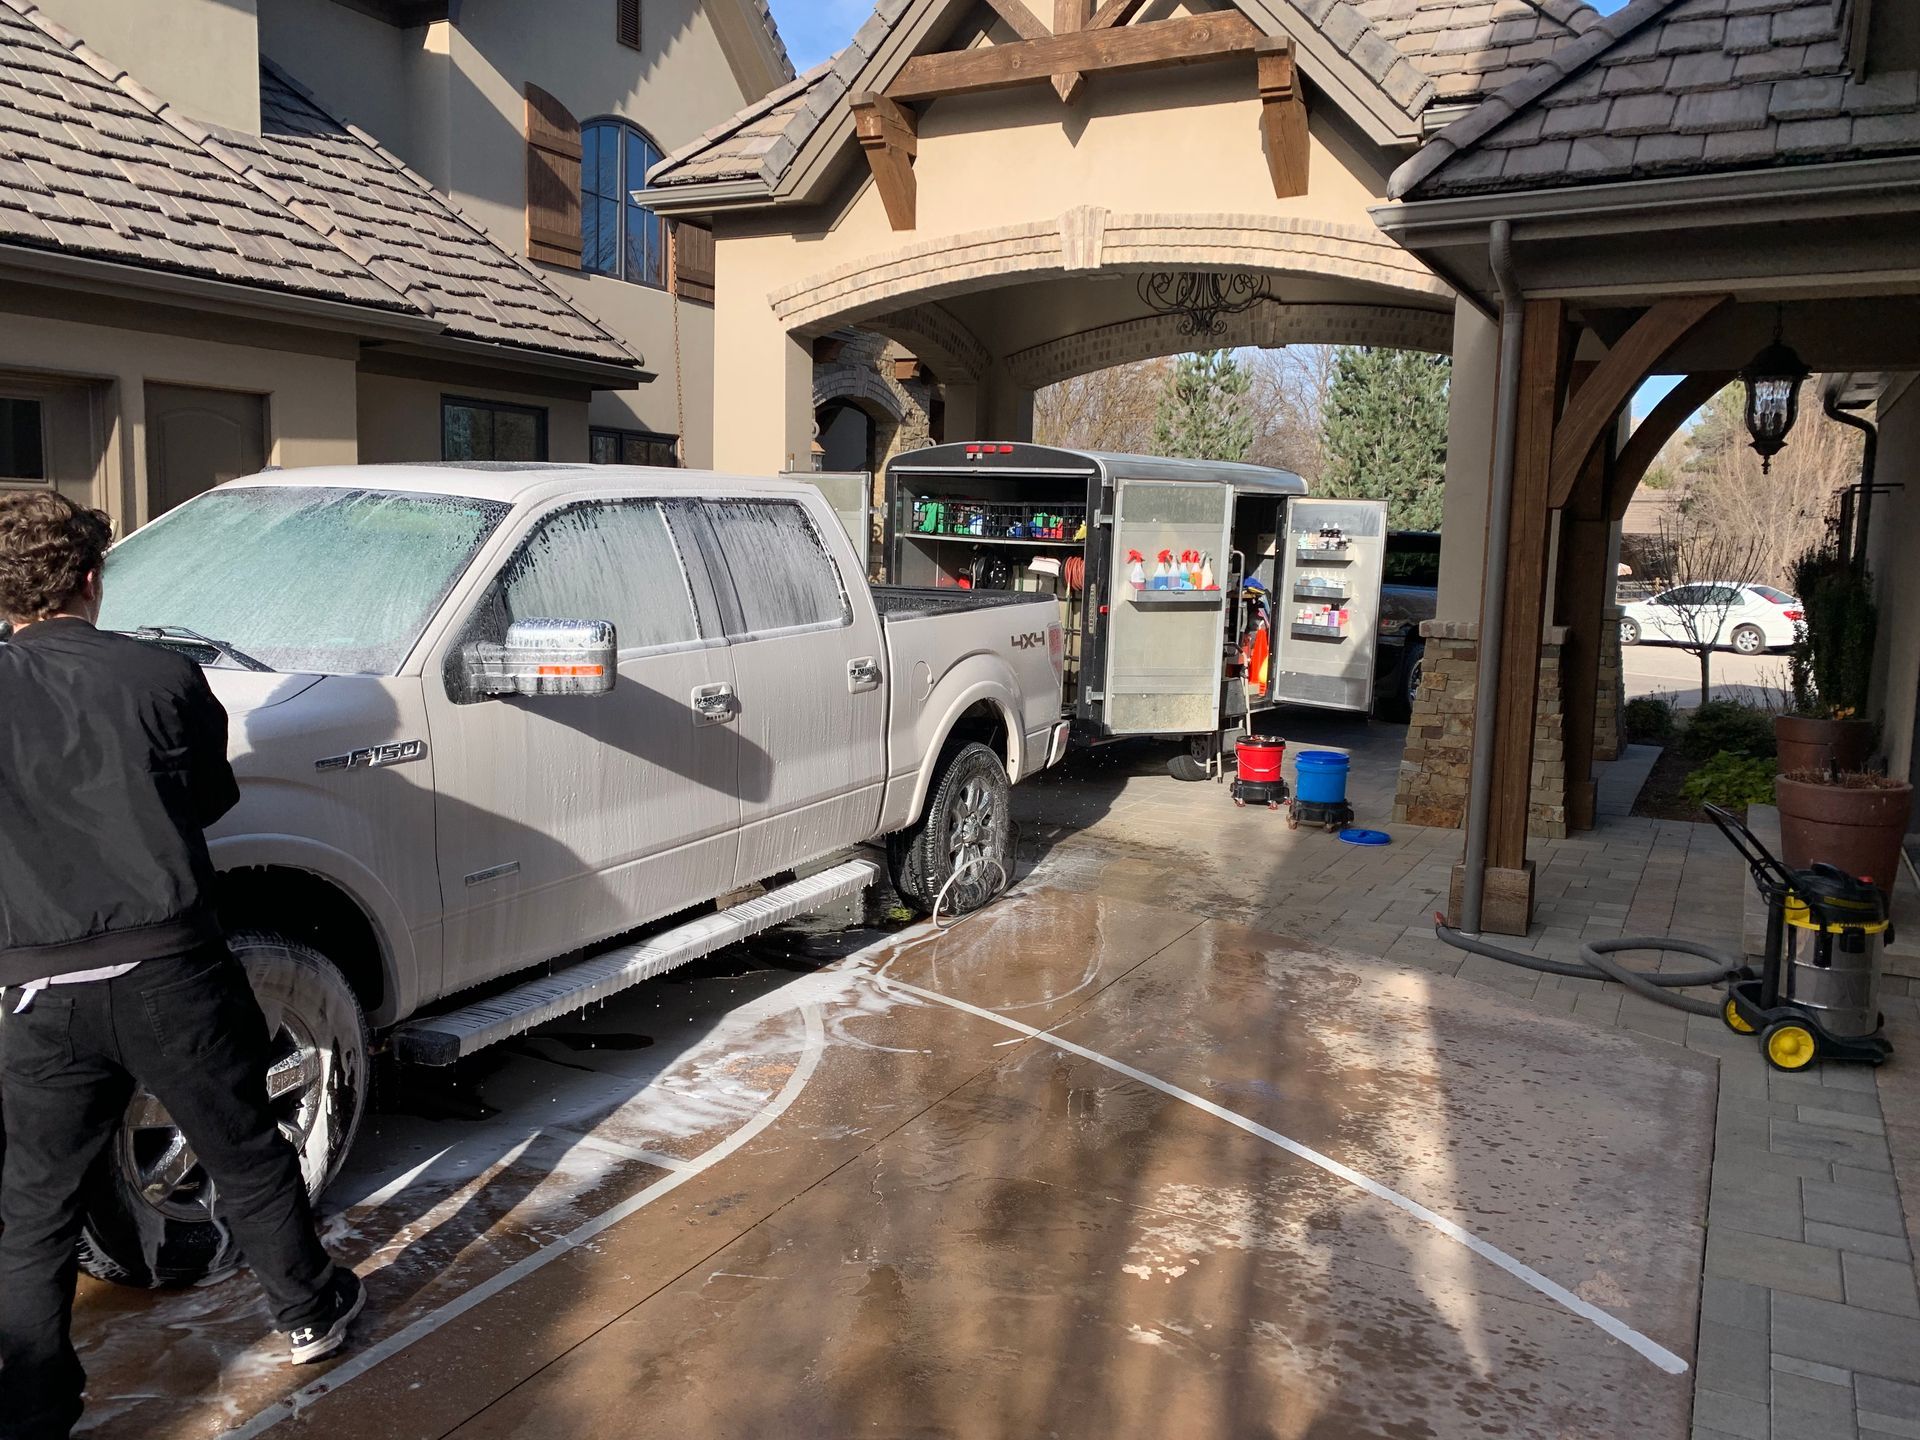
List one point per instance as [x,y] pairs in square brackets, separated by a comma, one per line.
[1815,744]
[1860,831]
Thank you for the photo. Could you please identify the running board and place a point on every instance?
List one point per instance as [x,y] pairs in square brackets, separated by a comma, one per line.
[440,1040]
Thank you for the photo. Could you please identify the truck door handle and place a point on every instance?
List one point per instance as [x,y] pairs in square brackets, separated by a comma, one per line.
[714,705]
[863,674]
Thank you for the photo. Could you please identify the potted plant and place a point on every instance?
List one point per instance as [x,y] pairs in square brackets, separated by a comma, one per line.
[1831,667]
[1854,820]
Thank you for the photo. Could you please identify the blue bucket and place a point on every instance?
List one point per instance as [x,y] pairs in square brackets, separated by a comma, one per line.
[1320,778]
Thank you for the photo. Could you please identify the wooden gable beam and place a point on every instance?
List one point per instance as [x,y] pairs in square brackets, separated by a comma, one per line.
[1022,21]
[1069,16]
[1114,13]
[890,136]
[1604,396]
[1283,117]
[1156,45]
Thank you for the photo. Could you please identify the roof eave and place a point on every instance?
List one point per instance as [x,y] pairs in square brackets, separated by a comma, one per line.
[1628,205]
[68,271]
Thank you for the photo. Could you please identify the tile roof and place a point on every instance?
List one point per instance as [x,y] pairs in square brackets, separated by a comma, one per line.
[88,166]
[93,163]
[369,203]
[1419,52]
[1470,48]
[763,10]
[1675,87]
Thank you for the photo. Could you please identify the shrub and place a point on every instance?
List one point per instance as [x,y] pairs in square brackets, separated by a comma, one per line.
[1732,781]
[1726,727]
[1648,721]
[1831,665]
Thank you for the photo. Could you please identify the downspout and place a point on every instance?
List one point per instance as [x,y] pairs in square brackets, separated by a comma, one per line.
[1869,454]
[1493,597]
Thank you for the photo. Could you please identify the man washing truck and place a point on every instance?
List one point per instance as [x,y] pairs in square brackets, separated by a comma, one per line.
[504,735]
[117,975]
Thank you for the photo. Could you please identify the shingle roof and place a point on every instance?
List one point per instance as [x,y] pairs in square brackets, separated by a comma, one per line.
[88,166]
[370,204]
[1419,52]
[1470,48]
[1667,87]
[93,163]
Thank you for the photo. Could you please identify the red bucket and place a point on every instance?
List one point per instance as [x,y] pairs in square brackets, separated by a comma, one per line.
[1260,758]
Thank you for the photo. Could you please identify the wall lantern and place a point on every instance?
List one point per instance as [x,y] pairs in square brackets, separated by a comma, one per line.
[1773,379]
[1202,299]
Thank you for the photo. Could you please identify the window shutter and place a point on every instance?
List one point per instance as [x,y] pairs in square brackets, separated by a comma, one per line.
[693,277]
[553,181]
[627,22]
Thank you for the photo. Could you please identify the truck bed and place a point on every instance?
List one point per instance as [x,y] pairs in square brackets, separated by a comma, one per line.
[900,602]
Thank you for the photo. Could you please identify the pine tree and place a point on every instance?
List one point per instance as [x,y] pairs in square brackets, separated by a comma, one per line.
[1204,412]
[1386,432]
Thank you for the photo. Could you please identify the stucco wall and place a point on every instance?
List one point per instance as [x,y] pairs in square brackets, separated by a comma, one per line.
[1890,554]
[363,70]
[995,176]
[200,54]
[310,396]
[400,418]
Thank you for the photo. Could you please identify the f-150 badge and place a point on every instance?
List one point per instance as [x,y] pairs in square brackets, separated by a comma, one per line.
[375,757]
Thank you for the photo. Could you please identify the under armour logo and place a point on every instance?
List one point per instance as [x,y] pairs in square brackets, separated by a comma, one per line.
[303,1337]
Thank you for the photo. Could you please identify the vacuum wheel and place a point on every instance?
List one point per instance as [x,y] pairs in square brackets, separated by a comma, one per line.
[1789,1045]
[1736,1022]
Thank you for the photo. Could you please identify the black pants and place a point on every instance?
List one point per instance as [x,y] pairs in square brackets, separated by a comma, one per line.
[189,1030]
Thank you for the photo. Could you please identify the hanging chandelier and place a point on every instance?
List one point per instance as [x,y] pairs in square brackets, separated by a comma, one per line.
[1202,299]
[1773,379]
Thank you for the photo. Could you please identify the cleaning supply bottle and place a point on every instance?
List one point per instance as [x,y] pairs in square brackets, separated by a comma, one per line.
[1163,571]
[1136,570]
[1206,573]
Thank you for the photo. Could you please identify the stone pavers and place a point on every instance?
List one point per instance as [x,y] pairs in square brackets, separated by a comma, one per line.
[1810,1313]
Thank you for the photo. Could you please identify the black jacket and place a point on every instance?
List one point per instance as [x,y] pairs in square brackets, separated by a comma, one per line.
[113,756]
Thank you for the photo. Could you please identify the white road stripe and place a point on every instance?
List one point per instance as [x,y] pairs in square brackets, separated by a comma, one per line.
[1618,1329]
[350,1370]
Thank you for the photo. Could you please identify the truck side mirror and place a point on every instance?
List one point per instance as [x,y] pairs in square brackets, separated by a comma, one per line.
[546,657]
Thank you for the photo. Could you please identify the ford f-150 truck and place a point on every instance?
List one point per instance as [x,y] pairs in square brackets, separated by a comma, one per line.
[497,719]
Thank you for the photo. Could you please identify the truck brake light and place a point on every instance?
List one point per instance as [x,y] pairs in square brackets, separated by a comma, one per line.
[1057,649]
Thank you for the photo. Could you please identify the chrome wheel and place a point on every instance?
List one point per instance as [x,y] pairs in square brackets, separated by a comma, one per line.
[1748,640]
[1629,632]
[159,1163]
[974,834]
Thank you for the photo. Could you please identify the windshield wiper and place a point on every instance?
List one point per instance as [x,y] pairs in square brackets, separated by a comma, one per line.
[238,656]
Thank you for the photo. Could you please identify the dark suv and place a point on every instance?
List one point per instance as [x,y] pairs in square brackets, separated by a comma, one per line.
[1409,593]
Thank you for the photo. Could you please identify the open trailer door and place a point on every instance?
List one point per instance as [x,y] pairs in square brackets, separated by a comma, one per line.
[1327,618]
[1165,648]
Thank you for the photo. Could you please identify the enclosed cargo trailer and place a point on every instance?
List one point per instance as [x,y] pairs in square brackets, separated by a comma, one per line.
[1292,619]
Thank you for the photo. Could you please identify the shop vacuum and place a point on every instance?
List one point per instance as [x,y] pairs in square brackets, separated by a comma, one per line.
[1816,994]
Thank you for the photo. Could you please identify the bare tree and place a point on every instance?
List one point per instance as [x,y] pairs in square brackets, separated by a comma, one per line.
[1706,566]
[1780,514]
[1289,400]
[1107,410]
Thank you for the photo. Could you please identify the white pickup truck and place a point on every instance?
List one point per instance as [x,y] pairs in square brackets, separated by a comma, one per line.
[492,719]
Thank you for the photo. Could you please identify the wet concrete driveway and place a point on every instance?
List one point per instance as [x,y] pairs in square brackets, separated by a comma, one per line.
[1236,1186]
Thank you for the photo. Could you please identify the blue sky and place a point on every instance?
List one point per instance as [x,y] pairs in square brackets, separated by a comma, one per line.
[815,29]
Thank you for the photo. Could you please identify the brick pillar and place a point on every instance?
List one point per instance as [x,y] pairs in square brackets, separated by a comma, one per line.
[1434,769]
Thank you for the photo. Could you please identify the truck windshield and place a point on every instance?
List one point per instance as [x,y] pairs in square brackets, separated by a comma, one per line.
[314,580]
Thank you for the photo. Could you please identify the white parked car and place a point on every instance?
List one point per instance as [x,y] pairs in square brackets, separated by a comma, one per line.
[1750,619]
[488,721]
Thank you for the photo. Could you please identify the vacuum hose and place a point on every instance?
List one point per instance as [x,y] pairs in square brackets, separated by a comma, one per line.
[1599,964]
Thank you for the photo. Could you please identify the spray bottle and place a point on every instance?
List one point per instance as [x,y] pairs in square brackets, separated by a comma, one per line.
[1136,570]
[1163,572]
[1206,573]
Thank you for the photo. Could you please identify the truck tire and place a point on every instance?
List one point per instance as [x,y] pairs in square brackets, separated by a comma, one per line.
[968,824]
[147,1222]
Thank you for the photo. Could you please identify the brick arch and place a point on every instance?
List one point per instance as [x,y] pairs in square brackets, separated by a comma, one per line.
[1266,327]
[862,385]
[1089,240]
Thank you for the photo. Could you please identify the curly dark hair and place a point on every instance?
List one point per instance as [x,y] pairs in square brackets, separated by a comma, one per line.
[48,546]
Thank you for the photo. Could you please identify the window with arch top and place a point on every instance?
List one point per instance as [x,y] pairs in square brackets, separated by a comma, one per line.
[617,236]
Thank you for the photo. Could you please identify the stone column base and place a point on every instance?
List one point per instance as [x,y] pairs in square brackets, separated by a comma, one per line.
[1432,788]
[1506,902]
